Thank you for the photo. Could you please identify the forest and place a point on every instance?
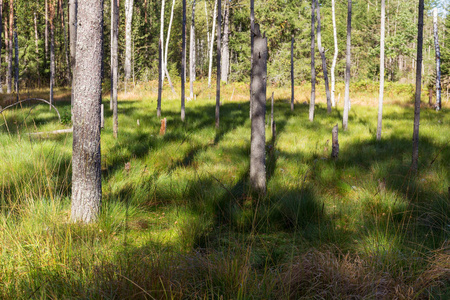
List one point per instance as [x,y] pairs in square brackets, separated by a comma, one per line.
[224,149]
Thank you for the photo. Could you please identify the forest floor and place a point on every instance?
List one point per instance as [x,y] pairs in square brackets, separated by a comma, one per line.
[178,221]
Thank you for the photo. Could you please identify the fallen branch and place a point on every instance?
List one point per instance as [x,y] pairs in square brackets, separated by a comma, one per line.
[70,130]
[32,99]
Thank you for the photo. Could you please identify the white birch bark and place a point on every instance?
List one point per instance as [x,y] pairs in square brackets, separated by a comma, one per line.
[212,44]
[161,35]
[347,68]
[336,51]
[128,22]
[192,53]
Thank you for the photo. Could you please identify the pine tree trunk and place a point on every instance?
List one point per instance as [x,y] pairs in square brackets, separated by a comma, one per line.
[86,157]
[322,54]
[16,55]
[252,29]
[166,51]
[115,63]
[183,63]
[258,132]
[8,57]
[380,97]
[312,102]
[219,31]
[73,7]
[292,73]
[438,60]
[1,31]
[336,51]
[212,44]
[52,50]
[160,83]
[225,65]
[347,69]
[192,53]
[46,30]
[128,22]
[66,50]
[415,152]
[36,38]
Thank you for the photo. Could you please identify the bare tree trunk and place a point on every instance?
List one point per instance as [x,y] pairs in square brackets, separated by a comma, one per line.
[212,44]
[225,50]
[8,44]
[292,73]
[336,51]
[192,52]
[183,63]
[46,30]
[66,51]
[128,22]
[438,60]
[252,29]
[160,83]
[73,8]
[161,34]
[1,30]
[36,38]
[52,50]
[322,54]
[258,133]
[164,63]
[415,152]
[312,102]
[16,54]
[86,157]
[380,98]
[219,31]
[114,63]
[347,69]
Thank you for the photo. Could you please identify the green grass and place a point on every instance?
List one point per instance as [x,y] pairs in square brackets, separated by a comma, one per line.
[181,223]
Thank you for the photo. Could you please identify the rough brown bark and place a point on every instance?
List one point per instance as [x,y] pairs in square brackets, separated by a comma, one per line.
[219,22]
[86,157]
[258,134]
[415,152]
[1,29]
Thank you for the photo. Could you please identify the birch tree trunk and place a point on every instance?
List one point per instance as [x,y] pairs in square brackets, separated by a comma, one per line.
[212,44]
[1,31]
[161,34]
[52,49]
[312,102]
[322,54]
[347,69]
[380,97]
[86,157]
[192,53]
[336,51]
[438,60]
[114,63]
[160,83]
[164,52]
[258,132]
[128,22]
[183,63]
[219,22]
[73,7]
[225,65]
[415,152]
[292,73]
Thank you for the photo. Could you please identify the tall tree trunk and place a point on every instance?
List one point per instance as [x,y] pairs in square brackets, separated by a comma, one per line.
[46,30]
[258,132]
[8,44]
[73,8]
[336,51]
[219,31]
[212,44]
[36,38]
[128,22]
[52,49]
[66,50]
[322,54]
[312,102]
[192,52]
[252,29]
[16,53]
[347,69]
[183,63]
[161,34]
[160,83]
[225,65]
[1,30]
[380,98]
[415,152]
[438,60]
[115,63]
[292,73]
[166,51]
[86,157]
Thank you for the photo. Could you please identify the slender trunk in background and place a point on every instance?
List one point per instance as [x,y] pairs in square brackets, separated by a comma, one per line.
[66,50]
[212,44]
[322,54]
[219,31]
[46,30]
[160,83]
[16,59]
[73,7]
[336,51]
[192,53]
[347,68]
[86,154]
[225,65]
[415,152]
[115,63]
[161,33]
[8,58]
[1,30]
[292,73]
[438,60]
[258,132]
[183,63]
[207,32]
[52,49]
[36,38]
[252,29]
[128,23]
[164,63]
[380,97]
[312,102]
